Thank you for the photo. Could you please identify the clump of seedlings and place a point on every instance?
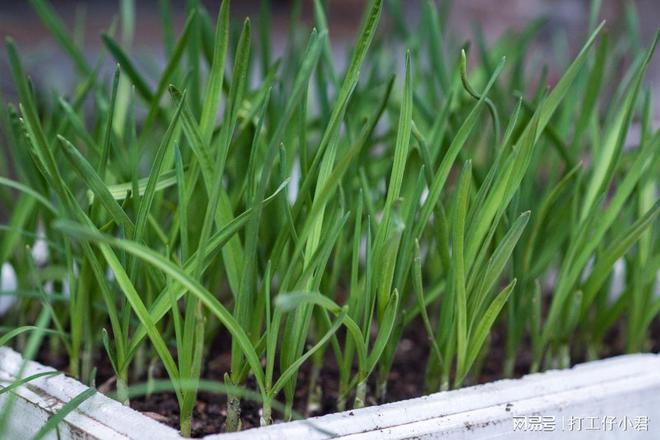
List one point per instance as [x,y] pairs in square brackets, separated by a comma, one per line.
[315,213]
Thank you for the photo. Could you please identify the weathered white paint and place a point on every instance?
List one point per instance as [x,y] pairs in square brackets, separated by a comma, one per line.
[622,386]
[97,418]
[625,386]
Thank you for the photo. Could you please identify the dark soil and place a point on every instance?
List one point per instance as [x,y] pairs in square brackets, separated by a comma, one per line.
[406,379]
[405,382]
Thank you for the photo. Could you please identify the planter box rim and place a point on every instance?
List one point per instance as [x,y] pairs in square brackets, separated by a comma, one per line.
[487,407]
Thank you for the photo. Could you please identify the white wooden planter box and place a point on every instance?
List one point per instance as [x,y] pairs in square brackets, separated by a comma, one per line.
[617,398]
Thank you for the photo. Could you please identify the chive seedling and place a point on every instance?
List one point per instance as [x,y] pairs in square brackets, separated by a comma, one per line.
[294,215]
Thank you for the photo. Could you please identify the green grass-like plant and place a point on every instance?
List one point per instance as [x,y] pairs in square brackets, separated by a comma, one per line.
[315,213]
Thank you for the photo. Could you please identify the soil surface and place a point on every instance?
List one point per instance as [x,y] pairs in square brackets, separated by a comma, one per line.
[405,382]
[406,379]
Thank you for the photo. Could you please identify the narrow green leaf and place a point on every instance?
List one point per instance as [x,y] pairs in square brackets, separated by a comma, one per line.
[22,381]
[216,77]
[66,409]
[478,337]
[458,259]
[93,180]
